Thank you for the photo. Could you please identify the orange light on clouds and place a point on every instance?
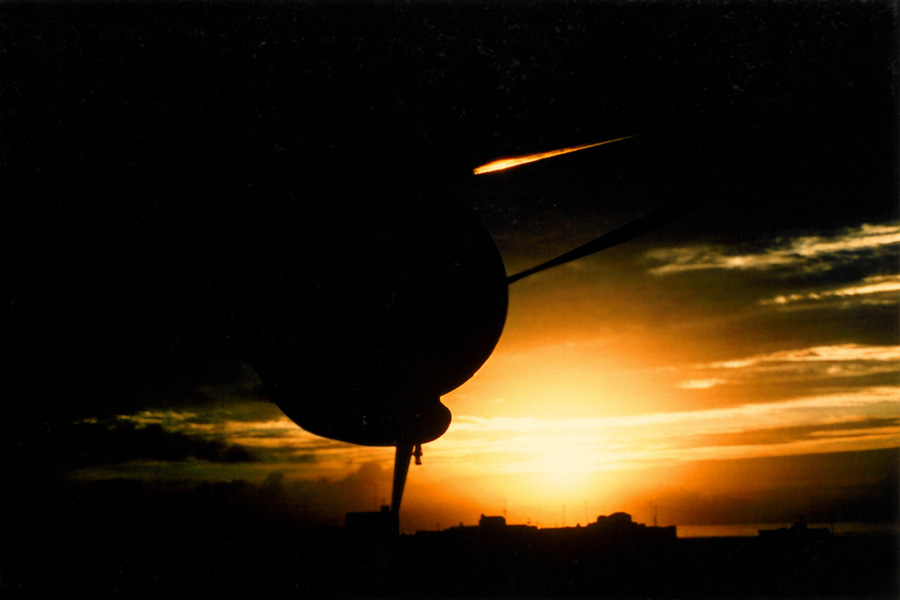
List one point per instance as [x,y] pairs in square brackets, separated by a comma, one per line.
[515,161]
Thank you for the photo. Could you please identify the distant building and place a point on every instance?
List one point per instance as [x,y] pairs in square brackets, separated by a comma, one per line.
[619,520]
[491,523]
[379,523]
[615,529]
[797,531]
[619,527]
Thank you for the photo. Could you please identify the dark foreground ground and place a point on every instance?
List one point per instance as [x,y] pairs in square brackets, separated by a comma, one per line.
[133,551]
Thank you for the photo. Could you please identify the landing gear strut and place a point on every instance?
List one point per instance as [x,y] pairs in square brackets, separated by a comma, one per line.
[401,467]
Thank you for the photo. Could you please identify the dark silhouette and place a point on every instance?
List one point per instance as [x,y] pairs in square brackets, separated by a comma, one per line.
[289,185]
[373,524]
[800,531]
[127,539]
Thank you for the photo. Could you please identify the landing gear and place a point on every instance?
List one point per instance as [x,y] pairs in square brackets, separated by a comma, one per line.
[401,467]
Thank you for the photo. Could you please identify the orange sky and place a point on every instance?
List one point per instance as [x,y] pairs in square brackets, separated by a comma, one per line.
[616,385]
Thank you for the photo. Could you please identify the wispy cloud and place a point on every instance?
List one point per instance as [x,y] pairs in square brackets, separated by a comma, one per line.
[816,354]
[808,253]
[700,384]
[157,417]
[877,285]
[266,432]
[93,442]
[733,418]
[857,420]
[781,435]
[271,439]
[816,365]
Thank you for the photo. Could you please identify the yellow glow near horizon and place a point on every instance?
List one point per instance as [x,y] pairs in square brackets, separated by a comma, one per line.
[515,161]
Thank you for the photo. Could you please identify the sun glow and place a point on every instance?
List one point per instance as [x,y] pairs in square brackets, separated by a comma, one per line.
[563,471]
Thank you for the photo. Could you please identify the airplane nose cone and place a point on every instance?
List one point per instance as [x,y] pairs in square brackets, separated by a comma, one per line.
[363,303]
[372,421]
[411,314]
[368,314]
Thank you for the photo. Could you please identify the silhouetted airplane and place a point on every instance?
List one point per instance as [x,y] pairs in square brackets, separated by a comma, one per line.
[264,206]
[358,325]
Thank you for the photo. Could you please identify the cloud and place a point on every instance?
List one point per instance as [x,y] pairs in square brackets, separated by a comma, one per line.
[824,487]
[272,437]
[861,419]
[815,366]
[806,254]
[96,443]
[699,384]
[781,435]
[836,353]
[728,416]
[208,443]
[885,287]
[328,479]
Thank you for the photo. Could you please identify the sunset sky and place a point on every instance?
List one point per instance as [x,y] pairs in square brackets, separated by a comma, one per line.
[621,381]
[741,364]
